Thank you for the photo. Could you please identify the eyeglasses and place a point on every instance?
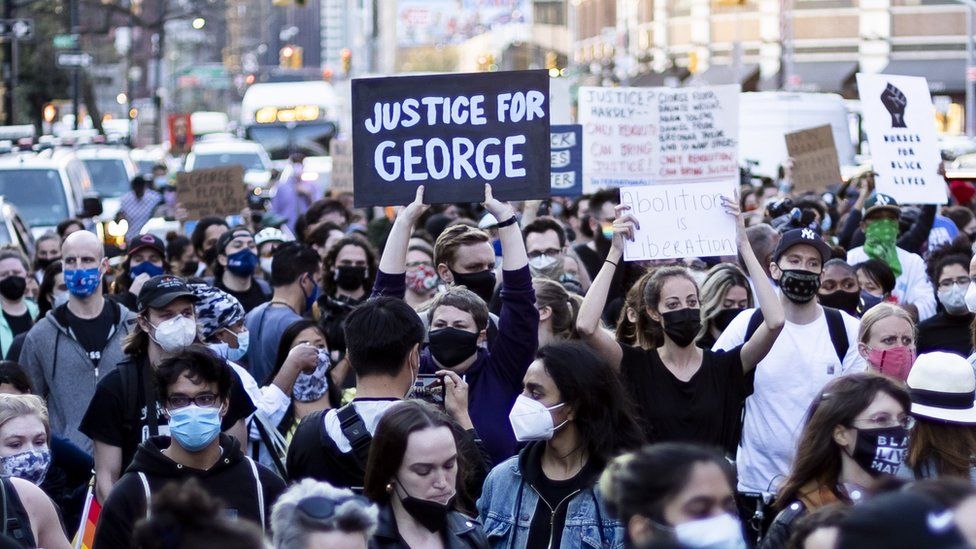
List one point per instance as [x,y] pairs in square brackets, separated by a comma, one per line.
[551,252]
[949,282]
[885,423]
[203,400]
[321,508]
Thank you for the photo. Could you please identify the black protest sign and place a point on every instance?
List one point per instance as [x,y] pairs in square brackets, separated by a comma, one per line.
[451,133]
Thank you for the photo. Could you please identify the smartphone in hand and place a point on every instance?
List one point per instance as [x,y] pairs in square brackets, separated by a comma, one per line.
[428,387]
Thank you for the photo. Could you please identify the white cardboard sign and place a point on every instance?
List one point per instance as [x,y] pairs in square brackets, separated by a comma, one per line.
[680,220]
[641,136]
[899,120]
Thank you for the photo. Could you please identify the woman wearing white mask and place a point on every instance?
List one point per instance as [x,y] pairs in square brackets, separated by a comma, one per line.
[25,457]
[949,329]
[674,492]
[575,416]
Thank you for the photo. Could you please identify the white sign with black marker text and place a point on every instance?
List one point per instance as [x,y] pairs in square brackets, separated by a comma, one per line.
[680,220]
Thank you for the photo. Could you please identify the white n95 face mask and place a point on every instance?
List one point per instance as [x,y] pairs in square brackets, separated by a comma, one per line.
[721,532]
[176,334]
[971,297]
[531,419]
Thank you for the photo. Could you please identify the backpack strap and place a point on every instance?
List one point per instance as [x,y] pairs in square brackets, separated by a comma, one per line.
[838,332]
[130,411]
[149,392]
[260,488]
[145,489]
[755,321]
[354,429]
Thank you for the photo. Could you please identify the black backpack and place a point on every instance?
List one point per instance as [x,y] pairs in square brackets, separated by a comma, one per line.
[835,327]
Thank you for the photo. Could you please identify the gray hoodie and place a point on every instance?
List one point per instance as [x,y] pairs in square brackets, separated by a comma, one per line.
[61,371]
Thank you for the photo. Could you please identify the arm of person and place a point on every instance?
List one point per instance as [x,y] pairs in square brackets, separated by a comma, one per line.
[758,346]
[588,320]
[301,358]
[390,280]
[44,519]
[108,466]
[33,366]
[918,234]
[513,247]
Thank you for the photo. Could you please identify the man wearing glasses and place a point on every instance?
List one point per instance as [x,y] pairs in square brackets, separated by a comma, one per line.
[194,389]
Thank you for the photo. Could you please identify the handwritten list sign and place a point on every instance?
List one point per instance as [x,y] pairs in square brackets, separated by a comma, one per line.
[341,178]
[566,162]
[900,124]
[640,136]
[814,155]
[679,220]
[214,191]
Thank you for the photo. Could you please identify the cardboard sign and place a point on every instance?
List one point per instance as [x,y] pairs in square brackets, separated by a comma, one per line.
[680,220]
[451,133]
[899,120]
[814,155]
[213,191]
[639,136]
[341,179]
[566,160]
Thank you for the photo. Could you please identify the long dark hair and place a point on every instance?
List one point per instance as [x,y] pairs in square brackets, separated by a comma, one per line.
[329,263]
[45,294]
[818,458]
[603,413]
[949,448]
[284,347]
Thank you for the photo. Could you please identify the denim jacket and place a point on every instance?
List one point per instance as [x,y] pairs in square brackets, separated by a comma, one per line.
[507,497]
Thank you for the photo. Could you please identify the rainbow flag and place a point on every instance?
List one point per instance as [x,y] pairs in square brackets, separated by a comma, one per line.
[85,537]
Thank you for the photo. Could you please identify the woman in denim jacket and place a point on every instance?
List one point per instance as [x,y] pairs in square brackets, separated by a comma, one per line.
[576,417]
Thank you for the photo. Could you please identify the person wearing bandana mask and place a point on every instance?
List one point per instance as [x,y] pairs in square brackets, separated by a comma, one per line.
[237,262]
[347,278]
[458,319]
[47,250]
[165,326]
[195,390]
[144,258]
[803,358]
[18,313]
[949,329]
[856,434]
[414,476]
[317,386]
[886,340]
[683,392]
[574,417]
[880,224]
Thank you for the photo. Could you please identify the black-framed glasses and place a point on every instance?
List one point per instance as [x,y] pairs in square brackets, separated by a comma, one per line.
[961,281]
[321,508]
[203,400]
[551,252]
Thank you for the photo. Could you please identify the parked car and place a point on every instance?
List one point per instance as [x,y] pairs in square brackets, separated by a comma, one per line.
[14,231]
[111,171]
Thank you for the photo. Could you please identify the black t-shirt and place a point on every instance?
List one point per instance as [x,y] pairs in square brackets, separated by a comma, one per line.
[105,420]
[93,334]
[945,332]
[554,492]
[705,409]
[19,324]
[249,299]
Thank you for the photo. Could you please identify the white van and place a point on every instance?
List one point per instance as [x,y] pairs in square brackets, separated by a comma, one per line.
[766,117]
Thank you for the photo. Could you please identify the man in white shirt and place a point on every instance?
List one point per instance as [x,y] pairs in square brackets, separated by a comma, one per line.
[803,359]
[880,225]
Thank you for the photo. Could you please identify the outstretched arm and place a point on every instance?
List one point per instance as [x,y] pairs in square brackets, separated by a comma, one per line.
[513,247]
[394,257]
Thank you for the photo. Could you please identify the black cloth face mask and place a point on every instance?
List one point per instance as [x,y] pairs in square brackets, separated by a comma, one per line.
[13,287]
[725,317]
[799,286]
[845,301]
[881,451]
[682,325]
[349,278]
[430,514]
[452,346]
[481,283]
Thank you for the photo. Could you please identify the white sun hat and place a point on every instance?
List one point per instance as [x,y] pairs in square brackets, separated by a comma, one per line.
[943,387]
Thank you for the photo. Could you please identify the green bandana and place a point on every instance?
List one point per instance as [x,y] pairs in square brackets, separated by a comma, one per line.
[879,242]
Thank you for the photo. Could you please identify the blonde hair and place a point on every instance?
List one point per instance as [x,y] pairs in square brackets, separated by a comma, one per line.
[564,306]
[14,406]
[720,279]
[880,312]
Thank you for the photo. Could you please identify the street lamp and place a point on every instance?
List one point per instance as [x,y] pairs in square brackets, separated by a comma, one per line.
[121,98]
[199,23]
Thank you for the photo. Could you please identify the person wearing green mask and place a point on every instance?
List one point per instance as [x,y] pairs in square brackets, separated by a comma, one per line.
[880,225]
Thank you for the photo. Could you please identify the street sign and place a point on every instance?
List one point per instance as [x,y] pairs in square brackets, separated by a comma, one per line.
[18,29]
[66,41]
[74,59]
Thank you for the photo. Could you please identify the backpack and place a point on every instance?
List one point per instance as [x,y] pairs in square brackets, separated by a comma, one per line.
[835,327]
[129,374]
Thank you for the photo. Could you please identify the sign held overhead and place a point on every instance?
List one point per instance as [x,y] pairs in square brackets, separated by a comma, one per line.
[814,155]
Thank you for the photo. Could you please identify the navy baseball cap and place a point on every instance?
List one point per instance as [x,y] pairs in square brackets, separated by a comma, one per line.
[796,237]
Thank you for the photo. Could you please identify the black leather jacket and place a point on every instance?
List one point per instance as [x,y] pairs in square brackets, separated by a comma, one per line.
[780,531]
[462,532]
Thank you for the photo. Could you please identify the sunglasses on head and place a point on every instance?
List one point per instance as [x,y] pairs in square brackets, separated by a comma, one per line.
[321,508]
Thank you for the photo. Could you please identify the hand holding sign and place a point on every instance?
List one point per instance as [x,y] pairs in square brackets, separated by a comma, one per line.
[412,211]
[502,211]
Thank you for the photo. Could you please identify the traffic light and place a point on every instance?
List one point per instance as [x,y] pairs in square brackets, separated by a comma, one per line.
[345,55]
[49,112]
[290,57]
[552,60]
[693,62]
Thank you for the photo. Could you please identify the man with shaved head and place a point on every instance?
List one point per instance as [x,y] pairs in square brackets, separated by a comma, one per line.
[76,344]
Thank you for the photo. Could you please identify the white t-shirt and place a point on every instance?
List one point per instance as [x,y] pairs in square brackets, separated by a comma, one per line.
[912,285]
[371,410]
[800,363]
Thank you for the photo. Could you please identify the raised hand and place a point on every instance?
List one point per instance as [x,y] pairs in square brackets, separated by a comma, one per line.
[625,225]
[501,210]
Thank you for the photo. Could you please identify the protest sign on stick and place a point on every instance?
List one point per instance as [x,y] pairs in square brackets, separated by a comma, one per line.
[680,220]
[639,136]
[213,191]
[815,163]
[451,133]
[899,120]
[566,146]
[341,179]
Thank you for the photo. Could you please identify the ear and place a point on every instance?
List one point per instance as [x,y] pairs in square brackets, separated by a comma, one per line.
[654,315]
[862,349]
[843,436]
[222,259]
[224,408]
[143,323]
[545,313]
[632,314]
[640,530]
[775,271]
[103,266]
[445,273]
[482,336]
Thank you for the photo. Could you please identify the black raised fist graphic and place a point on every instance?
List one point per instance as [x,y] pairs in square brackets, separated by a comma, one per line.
[895,101]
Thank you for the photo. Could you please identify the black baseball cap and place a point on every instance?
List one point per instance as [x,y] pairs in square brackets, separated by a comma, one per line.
[900,520]
[796,237]
[137,243]
[160,291]
[227,236]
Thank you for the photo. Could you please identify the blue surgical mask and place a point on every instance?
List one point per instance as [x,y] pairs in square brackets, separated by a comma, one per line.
[147,267]
[242,263]
[243,342]
[82,282]
[194,427]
